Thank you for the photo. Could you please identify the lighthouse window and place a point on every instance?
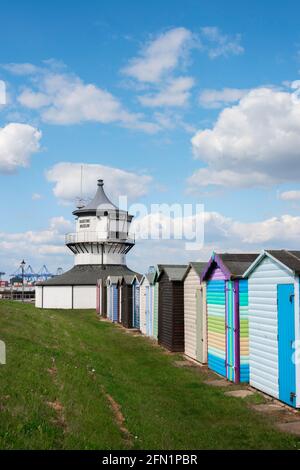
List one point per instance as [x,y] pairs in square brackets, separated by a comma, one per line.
[84,223]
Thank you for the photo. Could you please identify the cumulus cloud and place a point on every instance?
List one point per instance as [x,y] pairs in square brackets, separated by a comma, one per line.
[255,142]
[67,176]
[44,246]
[160,56]
[212,99]
[65,99]
[293,195]
[18,142]
[219,44]
[175,93]
[220,234]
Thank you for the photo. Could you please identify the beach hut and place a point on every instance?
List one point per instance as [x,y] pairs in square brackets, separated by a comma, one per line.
[113,298]
[126,300]
[146,302]
[274,324]
[227,314]
[171,307]
[101,303]
[195,344]
[155,303]
[136,301]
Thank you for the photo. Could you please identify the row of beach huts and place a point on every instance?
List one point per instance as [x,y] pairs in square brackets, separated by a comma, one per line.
[237,313]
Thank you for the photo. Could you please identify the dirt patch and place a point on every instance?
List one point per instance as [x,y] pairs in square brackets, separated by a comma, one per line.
[59,420]
[52,370]
[119,418]
[55,405]
[217,383]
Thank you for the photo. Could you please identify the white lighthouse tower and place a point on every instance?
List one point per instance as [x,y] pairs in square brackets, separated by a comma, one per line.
[99,244]
[102,232]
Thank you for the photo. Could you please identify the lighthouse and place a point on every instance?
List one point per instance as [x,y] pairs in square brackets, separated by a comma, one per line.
[99,244]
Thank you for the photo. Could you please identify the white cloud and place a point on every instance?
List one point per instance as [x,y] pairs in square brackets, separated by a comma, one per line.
[160,56]
[210,98]
[36,196]
[40,247]
[175,93]
[256,142]
[17,144]
[66,178]
[34,100]
[218,44]
[221,234]
[22,68]
[64,99]
[293,195]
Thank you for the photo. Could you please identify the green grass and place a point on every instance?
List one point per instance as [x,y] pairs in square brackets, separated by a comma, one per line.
[72,359]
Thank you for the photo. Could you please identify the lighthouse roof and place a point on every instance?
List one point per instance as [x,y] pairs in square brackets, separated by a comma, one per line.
[100,202]
[88,274]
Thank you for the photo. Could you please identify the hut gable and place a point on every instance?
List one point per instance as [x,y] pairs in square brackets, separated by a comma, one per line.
[226,266]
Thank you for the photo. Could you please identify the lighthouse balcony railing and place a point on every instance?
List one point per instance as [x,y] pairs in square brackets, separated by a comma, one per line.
[97,237]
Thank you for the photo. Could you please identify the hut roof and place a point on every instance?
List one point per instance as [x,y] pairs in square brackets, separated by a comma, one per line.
[197,266]
[288,258]
[88,274]
[174,272]
[233,265]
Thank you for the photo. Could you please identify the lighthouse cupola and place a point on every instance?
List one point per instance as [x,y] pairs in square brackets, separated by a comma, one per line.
[102,232]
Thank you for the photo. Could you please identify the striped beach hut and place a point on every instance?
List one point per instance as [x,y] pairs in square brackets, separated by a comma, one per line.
[171,307]
[227,314]
[195,343]
[136,301]
[274,324]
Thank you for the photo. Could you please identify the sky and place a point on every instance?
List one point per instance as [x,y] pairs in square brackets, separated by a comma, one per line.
[169,102]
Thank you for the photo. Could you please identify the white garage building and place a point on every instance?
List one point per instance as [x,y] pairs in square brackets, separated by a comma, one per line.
[100,245]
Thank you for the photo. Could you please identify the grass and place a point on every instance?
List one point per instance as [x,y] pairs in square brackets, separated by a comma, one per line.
[74,382]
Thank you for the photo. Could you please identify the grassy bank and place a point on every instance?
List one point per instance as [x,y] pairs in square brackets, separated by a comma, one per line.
[74,382]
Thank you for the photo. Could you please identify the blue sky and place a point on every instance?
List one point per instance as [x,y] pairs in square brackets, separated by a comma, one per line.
[193,102]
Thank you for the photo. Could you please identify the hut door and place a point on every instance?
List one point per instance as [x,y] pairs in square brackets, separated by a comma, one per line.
[199,326]
[147,310]
[286,338]
[137,306]
[232,333]
[115,303]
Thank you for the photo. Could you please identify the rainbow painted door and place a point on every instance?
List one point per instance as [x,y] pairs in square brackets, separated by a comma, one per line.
[286,338]
[216,334]
[232,373]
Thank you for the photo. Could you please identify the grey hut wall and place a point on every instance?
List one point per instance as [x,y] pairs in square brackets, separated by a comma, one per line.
[103,299]
[126,305]
[171,314]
